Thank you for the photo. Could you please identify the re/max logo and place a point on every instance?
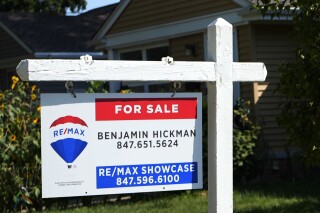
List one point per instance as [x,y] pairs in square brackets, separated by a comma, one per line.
[68,131]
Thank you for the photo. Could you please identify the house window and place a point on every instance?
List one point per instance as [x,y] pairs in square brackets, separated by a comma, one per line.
[132,55]
[155,54]
[145,54]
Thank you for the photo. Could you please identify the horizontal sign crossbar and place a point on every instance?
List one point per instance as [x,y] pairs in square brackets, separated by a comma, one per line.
[101,70]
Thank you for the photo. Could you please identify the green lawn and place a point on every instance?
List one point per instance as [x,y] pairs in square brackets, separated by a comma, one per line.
[172,203]
[291,197]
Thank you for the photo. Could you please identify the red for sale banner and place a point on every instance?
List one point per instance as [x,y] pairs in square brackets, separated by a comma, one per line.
[145,109]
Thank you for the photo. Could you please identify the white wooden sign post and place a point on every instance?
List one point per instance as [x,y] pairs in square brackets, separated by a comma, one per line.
[220,73]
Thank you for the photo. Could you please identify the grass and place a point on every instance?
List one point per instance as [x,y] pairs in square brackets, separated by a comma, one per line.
[172,203]
[292,197]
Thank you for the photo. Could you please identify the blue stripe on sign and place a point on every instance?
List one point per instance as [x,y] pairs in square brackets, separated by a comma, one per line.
[146,175]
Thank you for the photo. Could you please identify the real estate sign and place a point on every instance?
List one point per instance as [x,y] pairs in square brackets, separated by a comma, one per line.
[120,143]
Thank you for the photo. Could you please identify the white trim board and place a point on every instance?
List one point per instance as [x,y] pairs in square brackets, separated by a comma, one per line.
[169,30]
[162,32]
[123,5]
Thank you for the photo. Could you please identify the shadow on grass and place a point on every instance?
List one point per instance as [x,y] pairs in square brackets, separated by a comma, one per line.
[292,197]
[300,207]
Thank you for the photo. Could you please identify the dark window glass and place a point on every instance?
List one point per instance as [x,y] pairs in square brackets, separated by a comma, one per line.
[133,55]
[155,54]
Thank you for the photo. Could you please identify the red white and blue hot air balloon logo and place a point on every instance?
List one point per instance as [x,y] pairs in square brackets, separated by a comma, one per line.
[69,136]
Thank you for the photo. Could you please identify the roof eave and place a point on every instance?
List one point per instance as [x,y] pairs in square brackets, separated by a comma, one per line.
[166,31]
[111,20]
[16,38]
[254,15]
[122,6]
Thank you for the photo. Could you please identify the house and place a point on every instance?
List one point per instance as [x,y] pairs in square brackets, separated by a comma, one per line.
[39,36]
[149,30]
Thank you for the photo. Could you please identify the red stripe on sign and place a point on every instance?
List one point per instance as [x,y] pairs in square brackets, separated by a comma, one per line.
[68,119]
[145,108]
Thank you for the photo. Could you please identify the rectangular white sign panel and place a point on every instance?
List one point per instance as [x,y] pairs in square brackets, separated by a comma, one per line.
[98,144]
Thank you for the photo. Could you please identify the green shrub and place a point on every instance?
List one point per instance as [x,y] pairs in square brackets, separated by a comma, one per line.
[97,87]
[299,78]
[245,136]
[20,177]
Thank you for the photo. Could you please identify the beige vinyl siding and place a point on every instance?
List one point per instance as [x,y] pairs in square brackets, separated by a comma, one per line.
[245,49]
[177,47]
[273,46]
[142,13]
[177,51]
[9,47]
